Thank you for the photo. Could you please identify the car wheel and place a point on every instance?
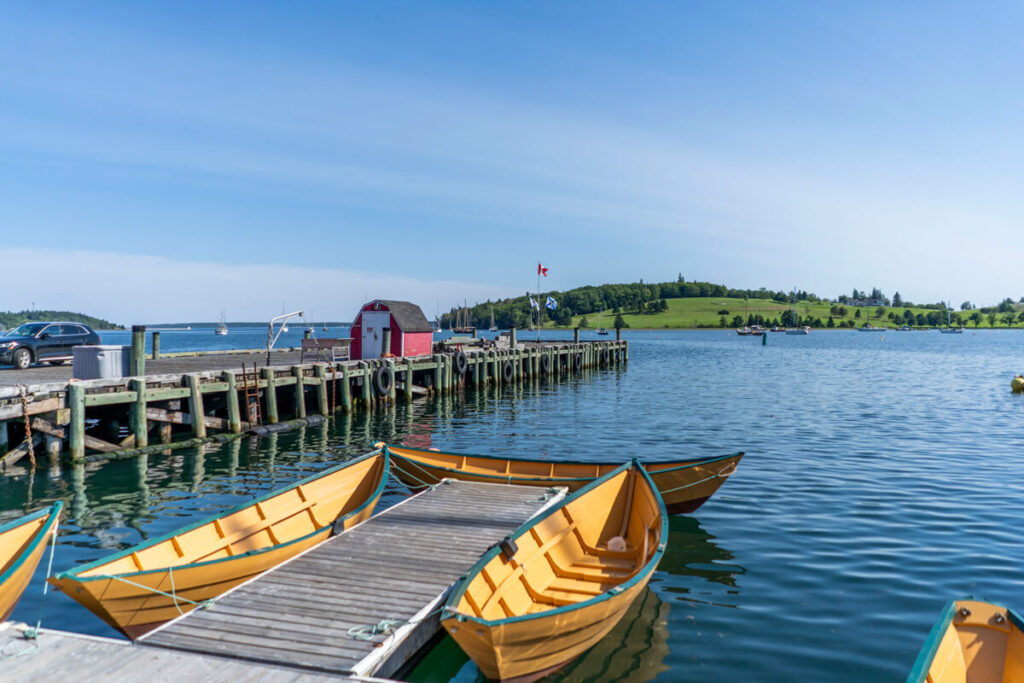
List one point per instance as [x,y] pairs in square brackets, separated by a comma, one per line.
[22,358]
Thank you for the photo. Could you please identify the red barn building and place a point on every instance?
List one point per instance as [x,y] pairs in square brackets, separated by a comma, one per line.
[411,333]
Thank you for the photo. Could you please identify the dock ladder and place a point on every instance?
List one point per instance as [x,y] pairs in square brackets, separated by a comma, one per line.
[248,382]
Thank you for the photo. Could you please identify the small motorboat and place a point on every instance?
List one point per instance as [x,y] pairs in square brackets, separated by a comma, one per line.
[685,484]
[972,642]
[140,588]
[559,583]
[22,544]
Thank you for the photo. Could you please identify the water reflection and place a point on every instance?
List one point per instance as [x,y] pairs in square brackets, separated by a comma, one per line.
[693,559]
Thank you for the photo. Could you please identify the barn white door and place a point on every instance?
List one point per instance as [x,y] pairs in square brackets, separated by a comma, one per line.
[374,323]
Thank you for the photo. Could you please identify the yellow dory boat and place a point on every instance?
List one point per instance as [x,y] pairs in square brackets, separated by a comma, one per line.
[684,484]
[559,583]
[142,587]
[972,641]
[22,544]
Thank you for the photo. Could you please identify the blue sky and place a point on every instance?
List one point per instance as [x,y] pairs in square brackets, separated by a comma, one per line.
[160,160]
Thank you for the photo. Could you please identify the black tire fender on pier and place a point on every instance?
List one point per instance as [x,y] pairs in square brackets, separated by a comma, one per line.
[382,380]
[545,363]
[507,371]
[577,361]
[461,364]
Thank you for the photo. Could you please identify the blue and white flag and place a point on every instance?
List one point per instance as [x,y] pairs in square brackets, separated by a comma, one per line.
[534,304]
[552,304]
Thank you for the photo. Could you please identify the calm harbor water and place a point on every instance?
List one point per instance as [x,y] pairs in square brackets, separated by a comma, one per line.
[882,478]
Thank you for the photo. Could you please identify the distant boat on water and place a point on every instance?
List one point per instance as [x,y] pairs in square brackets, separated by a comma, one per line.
[222,328]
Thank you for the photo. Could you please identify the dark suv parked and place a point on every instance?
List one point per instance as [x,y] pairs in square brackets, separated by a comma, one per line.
[43,342]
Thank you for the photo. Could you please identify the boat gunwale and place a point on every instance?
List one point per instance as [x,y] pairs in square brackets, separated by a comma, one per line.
[925,658]
[680,464]
[52,513]
[375,495]
[642,574]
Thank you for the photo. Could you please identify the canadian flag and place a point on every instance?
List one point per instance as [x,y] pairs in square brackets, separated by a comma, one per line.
[541,270]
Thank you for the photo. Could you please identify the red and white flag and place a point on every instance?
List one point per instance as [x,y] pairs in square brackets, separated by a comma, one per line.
[541,270]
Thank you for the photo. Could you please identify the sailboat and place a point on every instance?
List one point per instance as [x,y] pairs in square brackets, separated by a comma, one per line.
[949,329]
[493,327]
[222,329]
[797,329]
[601,329]
[868,327]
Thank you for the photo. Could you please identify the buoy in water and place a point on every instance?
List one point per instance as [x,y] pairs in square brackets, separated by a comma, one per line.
[1017,384]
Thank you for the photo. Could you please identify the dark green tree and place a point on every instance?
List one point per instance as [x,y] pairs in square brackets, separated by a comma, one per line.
[619,322]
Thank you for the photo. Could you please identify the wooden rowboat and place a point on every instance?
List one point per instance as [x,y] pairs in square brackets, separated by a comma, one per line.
[684,484]
[972,641]
[22,544]
[555,586]
[144,586]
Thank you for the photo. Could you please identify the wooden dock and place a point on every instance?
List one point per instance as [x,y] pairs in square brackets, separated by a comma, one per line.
[393,571]
[188,399]
[56,656]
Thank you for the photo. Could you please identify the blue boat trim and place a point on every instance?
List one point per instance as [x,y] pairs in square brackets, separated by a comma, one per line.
[74,573]
[642,574]
[52,513]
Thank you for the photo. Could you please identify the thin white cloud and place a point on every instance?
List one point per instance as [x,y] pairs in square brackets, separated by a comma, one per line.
[131,289]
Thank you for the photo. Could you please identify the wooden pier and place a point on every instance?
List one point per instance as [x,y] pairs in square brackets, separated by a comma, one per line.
[185,400]
[55,656]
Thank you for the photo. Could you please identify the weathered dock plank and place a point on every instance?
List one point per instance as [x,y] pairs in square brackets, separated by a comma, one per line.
[61,656]
[393,568]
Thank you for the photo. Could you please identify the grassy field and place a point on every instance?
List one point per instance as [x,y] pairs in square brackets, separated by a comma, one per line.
[704,312]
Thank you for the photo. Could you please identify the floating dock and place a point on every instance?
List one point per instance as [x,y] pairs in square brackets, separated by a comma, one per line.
[186,400]
[361,604]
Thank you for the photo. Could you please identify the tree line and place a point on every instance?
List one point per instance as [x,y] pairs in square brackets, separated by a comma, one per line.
[11,319]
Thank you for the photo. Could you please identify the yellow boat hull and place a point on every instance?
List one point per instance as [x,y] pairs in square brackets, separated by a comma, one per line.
[973,642]
[22,545]
[561,582]
[685,485]
[143,587]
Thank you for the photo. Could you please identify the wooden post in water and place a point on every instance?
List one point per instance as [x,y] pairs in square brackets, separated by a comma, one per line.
[53,447]
[392,388]
[618,334]
[438,382]
[576,335]
[76,402]
[408,380]
[385,345]
[270,395]
[195,406]
[346,389]
[300,392]
[321,389]
[137,364]
[234,417]
[367,380]
[512,337]
[137,413]
[156,345]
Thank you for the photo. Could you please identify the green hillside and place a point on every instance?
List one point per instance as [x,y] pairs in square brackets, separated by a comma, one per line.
[709,312]
[9,319]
